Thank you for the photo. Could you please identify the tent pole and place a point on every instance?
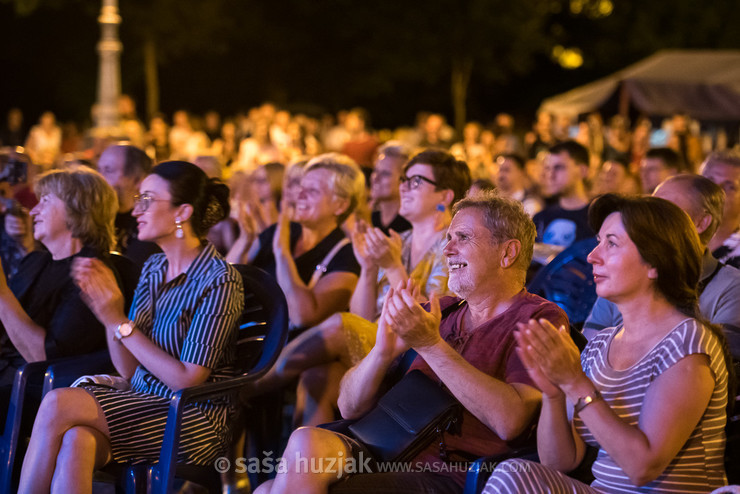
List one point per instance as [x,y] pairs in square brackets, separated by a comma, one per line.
[624,100]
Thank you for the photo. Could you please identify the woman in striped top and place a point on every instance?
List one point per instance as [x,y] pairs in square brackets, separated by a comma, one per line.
[181,332]
[650,394]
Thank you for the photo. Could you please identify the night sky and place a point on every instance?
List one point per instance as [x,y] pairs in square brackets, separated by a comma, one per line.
[390,57]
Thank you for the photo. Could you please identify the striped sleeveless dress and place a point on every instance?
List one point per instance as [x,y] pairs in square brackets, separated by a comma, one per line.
[698,466]
[192,317]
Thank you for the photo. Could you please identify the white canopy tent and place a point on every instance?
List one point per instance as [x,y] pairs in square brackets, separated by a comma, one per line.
[702,83]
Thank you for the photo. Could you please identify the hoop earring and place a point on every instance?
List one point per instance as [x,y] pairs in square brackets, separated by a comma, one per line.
[179,233]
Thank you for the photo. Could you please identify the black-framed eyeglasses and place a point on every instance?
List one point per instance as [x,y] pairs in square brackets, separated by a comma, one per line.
[143,201]
[416,180]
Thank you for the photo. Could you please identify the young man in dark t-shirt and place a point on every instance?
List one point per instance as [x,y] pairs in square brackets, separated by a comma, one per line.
[566,221]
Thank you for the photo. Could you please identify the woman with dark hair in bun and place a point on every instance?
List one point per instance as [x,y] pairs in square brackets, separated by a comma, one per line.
[180,332]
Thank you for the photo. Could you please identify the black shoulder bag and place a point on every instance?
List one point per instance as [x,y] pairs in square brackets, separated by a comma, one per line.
[408,418]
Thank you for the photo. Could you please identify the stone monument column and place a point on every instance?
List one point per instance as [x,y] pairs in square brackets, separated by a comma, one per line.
[109,72]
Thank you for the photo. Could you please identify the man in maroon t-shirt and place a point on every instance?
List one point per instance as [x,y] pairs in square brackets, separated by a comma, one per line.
[471,351]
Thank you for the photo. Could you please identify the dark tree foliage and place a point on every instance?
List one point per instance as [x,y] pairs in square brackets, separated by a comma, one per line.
[465,58]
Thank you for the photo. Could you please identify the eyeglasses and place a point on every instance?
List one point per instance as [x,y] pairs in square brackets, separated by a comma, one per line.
[143,201]
[415,181]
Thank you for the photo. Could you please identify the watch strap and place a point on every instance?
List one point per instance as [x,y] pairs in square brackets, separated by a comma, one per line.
[118,335]
[585,401]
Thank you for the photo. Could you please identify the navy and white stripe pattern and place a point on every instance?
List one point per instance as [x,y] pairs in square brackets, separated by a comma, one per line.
[192,317]
[699,465]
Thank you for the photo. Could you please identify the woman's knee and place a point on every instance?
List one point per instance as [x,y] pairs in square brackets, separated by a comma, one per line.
[85,447]
[64,408]
[55,407]
[332,328]
[77,440]
[315,346]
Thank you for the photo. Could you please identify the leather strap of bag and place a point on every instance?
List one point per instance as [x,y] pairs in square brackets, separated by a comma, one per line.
[321,268]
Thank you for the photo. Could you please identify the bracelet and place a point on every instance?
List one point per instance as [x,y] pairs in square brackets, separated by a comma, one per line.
[585,401]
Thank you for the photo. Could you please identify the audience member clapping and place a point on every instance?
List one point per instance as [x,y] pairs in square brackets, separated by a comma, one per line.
[650,393]
[42,313]
[181,333]
[310,258]
[432,182]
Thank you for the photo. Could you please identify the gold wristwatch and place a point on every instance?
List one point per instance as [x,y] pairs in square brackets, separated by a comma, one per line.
[123,330]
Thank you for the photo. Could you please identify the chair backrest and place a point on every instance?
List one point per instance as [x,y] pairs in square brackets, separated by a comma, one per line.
[128,274]
[732,447]
[568,281]
[263,328]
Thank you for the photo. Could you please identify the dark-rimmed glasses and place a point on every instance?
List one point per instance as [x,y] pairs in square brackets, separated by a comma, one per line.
[414,181]
[143,201]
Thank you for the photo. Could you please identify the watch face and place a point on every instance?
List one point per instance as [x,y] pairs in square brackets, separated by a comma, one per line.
[126,329]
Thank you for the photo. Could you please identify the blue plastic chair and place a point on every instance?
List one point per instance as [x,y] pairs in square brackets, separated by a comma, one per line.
[568,281]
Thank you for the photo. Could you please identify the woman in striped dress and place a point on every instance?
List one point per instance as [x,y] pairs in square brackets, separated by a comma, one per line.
[652,393]
[181,332]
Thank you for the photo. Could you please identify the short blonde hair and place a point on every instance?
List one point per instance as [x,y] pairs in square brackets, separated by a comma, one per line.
[347,180]
[89,201]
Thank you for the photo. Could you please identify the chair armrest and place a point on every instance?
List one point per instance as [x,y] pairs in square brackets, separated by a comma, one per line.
[64,372]
[12,430]
[24,374]
[163,472]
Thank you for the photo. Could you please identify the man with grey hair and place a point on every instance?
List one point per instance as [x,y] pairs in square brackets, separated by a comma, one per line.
[124,167]
[723,168]
[465,343]
[719,287]
[385,182]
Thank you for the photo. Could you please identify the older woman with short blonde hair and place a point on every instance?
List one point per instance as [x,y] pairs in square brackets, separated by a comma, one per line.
[306,250]
[41,311]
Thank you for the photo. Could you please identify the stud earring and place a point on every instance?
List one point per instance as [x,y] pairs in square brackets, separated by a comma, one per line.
[178,229]
[441,208]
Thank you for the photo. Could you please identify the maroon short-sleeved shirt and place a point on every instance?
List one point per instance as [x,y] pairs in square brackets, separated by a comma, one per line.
[490,348]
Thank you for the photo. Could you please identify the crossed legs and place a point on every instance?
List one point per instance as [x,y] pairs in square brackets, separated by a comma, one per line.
[70,440]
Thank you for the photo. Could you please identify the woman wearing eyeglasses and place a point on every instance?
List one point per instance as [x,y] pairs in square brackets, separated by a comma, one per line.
[432,181]
[310,256]
[181,332]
